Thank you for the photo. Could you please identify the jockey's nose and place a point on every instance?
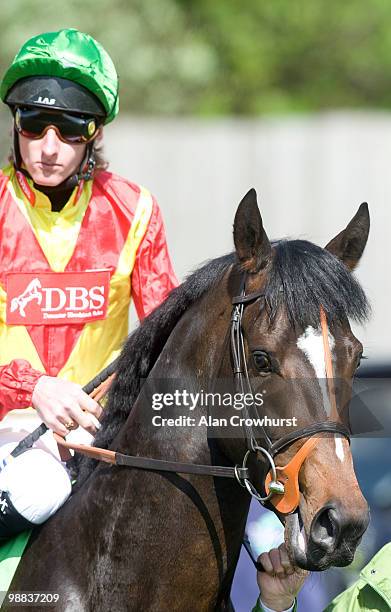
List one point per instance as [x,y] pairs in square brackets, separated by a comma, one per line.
[50,142]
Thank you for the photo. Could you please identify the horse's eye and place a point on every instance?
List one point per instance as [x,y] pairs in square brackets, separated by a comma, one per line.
[262,361]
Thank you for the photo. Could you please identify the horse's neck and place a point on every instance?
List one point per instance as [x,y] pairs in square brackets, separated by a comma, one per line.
[185,358]
[136,522]
[191,360]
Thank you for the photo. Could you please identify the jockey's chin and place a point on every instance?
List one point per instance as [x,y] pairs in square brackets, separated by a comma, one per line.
[49,160]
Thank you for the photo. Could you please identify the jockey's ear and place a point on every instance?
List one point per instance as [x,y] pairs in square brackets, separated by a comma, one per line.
[349,244]
[251,242]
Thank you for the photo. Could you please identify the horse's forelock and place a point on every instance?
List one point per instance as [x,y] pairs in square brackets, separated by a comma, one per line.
[304,277]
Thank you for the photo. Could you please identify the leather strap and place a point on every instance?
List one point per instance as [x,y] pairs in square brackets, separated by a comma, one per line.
[245,299]
[306,432]
[101,390]
[146,463]
[102,454]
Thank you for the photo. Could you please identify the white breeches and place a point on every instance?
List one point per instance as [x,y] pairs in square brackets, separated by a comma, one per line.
[37,483]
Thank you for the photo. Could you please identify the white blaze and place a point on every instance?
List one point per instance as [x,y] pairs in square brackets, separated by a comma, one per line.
[311,343]
[339,449]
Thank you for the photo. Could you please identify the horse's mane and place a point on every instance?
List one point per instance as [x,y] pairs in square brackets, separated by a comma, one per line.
[302,277]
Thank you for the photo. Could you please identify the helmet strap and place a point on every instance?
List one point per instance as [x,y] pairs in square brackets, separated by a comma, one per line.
[17,158]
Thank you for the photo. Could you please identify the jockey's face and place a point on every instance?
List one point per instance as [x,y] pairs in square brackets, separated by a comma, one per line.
[49,160]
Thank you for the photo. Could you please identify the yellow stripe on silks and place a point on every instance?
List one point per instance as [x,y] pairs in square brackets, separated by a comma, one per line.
[86,360]
[56,232]
[136,234]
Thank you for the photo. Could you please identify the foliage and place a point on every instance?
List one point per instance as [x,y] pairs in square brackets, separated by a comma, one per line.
[227,57]
[300,55]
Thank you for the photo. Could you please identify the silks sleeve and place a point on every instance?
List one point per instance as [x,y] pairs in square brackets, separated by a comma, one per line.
[17,382]
[153,276]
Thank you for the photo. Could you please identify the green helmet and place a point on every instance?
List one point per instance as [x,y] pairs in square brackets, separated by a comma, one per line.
[64,56]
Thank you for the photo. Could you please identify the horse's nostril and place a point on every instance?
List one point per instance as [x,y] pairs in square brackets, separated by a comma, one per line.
[327,524]
[325,528]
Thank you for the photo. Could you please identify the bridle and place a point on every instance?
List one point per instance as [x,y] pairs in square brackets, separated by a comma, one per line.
[281,483]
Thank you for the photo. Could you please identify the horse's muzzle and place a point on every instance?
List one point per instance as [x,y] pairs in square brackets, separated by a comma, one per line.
[335,534]
[333,537]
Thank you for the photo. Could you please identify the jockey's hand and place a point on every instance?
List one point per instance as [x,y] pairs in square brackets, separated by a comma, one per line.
[281,581]
[59,402]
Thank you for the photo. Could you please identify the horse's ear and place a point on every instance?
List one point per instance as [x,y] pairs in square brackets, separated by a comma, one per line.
[251,242]
[349,244]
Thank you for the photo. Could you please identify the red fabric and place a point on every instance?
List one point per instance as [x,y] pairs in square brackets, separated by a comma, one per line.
[102,235]
[17,382]
[103,232]
[153,276]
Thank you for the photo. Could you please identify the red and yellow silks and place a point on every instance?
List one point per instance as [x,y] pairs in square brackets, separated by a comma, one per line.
[113,224]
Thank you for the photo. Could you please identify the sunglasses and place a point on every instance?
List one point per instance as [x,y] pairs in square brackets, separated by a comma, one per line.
[34,123]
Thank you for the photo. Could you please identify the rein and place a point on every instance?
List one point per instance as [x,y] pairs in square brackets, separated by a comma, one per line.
[281,483]
[96,388]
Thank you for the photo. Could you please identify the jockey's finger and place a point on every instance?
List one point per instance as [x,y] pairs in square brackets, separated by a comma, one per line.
[54,416]
[84,419]
[59,429]
[55,425]
[90,405]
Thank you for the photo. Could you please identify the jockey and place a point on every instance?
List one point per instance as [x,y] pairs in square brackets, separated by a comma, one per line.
[77,243]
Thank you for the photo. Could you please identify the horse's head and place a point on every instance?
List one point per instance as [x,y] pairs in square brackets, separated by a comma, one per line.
[289,355]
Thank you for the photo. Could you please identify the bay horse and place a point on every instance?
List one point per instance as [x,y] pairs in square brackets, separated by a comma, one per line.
[131,539]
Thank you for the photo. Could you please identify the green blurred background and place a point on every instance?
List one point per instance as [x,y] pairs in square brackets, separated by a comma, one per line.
[203,57]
